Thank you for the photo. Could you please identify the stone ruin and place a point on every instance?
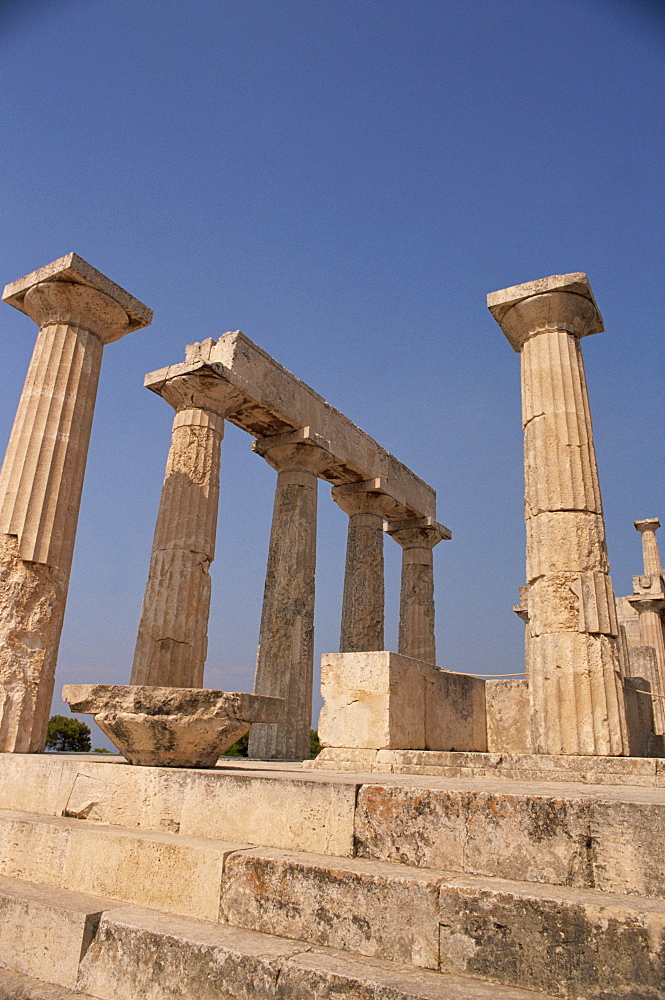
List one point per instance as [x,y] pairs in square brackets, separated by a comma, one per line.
[584,691]
[458,835]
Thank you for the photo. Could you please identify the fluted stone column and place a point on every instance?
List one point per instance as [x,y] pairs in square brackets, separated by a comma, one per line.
[286,642]
[78,311]
[363,602]
[416,606]
[172,639]
[649,601]
[574,674]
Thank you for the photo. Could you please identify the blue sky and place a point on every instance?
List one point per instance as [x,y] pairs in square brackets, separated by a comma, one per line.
[344,182]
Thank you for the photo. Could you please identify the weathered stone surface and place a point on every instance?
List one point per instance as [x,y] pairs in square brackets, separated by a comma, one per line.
[572,942]
[329,975]
[416,607]
[628,847]
[285,813]
[508,715]
[32,606]
[172,639]
[277,403]
[171,727]
[78,311]
[414,826]
[16,986]
[170,872]
[575,681]
[385,700]
[636,771]
[284,664]
[361,906]
[138,953]
[44,932]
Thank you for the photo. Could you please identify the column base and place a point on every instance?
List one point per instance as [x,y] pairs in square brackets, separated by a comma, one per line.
[171,727]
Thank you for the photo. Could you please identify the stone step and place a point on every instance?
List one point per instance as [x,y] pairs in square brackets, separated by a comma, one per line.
[166,871]
[132,953]
[572,942]
[45,932]
[606,837]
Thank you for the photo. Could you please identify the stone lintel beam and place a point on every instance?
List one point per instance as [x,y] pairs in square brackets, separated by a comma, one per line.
[560,302]
[74,269]
[277,402]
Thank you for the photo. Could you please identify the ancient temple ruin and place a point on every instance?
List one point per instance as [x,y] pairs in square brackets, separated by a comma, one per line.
[458,835]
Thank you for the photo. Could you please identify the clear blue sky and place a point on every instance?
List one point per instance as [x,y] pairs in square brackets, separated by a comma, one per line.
[344,181]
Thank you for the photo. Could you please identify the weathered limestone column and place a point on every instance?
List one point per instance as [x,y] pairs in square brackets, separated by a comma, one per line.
[78,311]
[574,674]
[285,655]
[363,602]
[649,600]
[172,639]
[416,607]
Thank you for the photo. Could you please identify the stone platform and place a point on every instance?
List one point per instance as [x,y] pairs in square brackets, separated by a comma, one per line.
[277,882]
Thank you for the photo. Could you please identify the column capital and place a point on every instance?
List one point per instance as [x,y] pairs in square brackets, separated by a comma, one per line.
[199,390]
[367,497]
[559,302]
[647,524]
[71,291]
[302,450]
[420,532]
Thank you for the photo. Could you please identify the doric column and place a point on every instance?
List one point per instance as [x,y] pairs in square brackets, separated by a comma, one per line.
[363,600]
[172,640]
[575,682]
[286,642]
[416,607]
[78,311]
[648,600]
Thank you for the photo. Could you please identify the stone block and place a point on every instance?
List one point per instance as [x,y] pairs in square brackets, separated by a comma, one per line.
[572,942]
[171,727]
[639,704]
[385,911]
[173,873]
[278,402]
[628,841]
[422,827]
[44,932]
[508,715]
[139,953]
[16,986]
[383,700]
[287,813]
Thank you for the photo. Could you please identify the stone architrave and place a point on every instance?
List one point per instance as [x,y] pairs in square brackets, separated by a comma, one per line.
[648,600]
[78,311]
[363,603]
[285,656]
[417,537]
[573,669]
[172,639]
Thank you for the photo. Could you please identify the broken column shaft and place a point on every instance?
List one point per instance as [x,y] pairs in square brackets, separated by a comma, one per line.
[78,311]
[573,669]
[286,642]
[172,639]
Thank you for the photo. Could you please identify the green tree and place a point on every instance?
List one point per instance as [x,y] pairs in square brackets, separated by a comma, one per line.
[67,734]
